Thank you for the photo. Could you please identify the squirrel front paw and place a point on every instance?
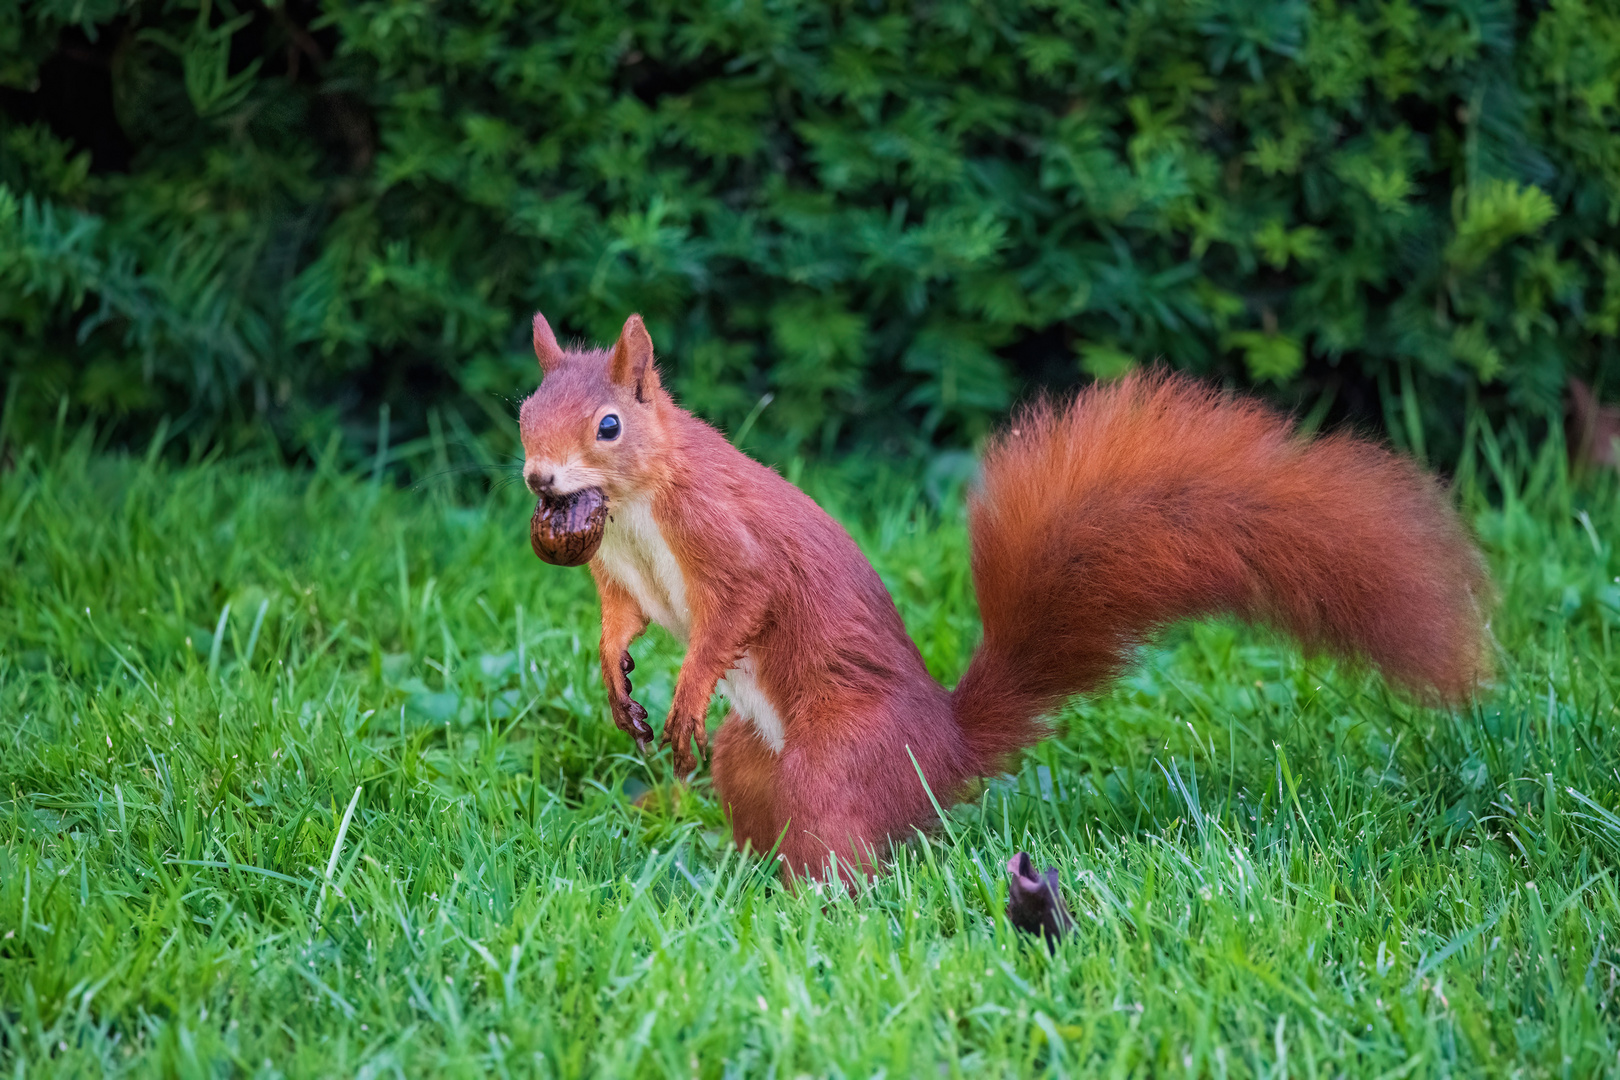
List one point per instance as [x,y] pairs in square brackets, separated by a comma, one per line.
[680,732]
[631,719]
[628,714]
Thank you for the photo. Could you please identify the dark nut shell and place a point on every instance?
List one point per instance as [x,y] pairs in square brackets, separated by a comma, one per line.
[567,530]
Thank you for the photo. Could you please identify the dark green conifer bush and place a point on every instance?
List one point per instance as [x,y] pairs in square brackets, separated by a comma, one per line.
[891,217]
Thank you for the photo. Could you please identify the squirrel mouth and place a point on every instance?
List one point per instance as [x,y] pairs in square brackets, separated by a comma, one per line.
[567,529]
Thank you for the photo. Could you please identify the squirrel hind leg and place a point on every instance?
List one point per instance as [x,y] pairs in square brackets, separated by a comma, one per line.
[845,798]
[811,855]
[795,797]
[744,774]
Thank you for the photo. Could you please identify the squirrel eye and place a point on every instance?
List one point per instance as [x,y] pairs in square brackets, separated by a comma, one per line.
[608,429]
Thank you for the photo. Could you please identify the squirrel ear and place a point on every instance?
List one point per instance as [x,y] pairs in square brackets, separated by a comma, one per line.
[546,349]
[631,363]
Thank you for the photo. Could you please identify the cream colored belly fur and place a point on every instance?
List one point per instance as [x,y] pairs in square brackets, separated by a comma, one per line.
[634,554]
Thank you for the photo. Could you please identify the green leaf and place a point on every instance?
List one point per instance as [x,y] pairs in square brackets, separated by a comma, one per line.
[1277,357]
[1103,361]
[1492,213]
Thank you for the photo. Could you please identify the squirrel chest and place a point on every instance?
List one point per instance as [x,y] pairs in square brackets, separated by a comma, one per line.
[635,554]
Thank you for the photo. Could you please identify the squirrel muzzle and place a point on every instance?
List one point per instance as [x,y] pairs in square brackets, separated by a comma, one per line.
[566,530]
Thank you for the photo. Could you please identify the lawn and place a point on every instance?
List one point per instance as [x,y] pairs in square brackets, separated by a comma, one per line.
[304,774]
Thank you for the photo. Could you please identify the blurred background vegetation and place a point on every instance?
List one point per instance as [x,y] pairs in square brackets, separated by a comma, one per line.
[855,225]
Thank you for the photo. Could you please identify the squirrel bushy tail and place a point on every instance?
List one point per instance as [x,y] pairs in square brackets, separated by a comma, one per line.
[1154,499]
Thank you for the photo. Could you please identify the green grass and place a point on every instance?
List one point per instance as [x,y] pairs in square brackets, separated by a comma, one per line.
[379,824]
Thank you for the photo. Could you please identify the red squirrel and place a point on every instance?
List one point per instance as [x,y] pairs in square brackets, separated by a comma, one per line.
[1094,524]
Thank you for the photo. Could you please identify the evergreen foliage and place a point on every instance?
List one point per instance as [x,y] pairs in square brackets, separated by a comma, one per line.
[890,217]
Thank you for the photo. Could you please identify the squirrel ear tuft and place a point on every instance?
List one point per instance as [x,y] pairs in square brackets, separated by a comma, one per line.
[546,349]
[631,364]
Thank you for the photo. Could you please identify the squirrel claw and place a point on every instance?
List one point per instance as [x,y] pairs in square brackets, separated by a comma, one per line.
[680,736]
[631,719]
[628,714]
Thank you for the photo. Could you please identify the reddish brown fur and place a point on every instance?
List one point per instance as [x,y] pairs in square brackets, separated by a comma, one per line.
[1155,499]
[1143,502]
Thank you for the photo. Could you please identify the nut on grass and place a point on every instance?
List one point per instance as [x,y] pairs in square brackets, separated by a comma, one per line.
[566,530]
[1035,904]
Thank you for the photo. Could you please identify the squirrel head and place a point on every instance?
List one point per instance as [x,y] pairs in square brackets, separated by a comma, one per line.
[597,420]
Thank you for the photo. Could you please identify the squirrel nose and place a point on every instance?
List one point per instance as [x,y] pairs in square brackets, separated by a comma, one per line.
[539,481]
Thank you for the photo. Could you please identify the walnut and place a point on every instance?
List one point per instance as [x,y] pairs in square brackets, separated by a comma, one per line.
[566,530]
